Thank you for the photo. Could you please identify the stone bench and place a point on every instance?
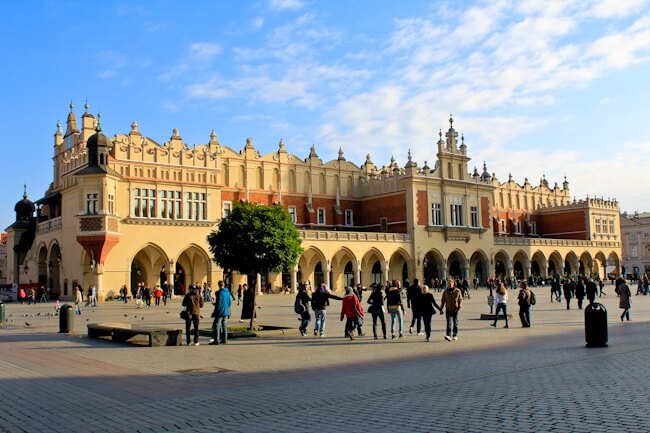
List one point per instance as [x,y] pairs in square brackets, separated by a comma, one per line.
[125,331]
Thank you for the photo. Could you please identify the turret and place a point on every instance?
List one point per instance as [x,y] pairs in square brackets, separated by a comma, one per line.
[87,123]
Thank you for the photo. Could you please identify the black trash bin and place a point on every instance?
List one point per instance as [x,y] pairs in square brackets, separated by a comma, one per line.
[66,318]
[596,325]
[2,313]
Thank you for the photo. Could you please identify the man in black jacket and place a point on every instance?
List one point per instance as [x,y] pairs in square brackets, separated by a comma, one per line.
[413,294]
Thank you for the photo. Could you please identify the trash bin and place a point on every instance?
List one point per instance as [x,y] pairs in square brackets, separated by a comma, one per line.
[66,318]
[2,313]
[596,325]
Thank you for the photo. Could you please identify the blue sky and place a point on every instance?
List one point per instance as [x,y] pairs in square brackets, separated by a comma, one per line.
[535,86]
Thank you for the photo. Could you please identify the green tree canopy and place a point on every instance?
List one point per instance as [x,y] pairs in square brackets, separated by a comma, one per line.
[256,239]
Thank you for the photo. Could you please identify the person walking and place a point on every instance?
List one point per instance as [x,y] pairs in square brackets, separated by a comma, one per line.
[247,308]
[193,302]
[395,308]
[502,304]
[319,302]
[580,291]
[157,295]
[427,307]
[376,308]
[567,288]
[221,314]
[78,300]
[601,286]
[351,310]
[524,299]
[452,302]
[302,301]
[624,293]
[413,293]
[591,290]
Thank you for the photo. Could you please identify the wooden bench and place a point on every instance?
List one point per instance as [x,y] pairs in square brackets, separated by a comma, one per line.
[125,331]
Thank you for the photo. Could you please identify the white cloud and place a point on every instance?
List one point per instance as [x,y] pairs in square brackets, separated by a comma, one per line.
[615,8]
[286,4]
[257,23]
[205,50]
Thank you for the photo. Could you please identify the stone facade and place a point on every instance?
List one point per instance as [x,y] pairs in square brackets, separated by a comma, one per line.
[128,209]
[635,232]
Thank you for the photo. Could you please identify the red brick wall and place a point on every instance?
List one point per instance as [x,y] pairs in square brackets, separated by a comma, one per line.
[422,208]
[393,207]
[485,212]
[565,225]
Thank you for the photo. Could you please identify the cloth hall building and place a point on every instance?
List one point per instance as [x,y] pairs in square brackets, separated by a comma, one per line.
[127,209]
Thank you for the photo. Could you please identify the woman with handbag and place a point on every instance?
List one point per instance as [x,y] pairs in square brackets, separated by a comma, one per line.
[351,310]
[193,302]
[427,307]
[502,301]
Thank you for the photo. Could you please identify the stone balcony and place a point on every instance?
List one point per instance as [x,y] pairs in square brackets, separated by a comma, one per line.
[333,235]
[49,225]
[547,242]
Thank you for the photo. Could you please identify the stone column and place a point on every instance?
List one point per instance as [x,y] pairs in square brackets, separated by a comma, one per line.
[384,268]
[357,271]
[294,280]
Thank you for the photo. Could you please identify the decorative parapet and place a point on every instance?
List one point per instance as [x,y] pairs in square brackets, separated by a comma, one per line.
[97,223]
[547,242]
[49,225]
[166,222]
[332,235]
[598,203]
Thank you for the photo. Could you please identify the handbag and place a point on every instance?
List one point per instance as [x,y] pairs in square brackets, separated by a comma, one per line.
[185,315]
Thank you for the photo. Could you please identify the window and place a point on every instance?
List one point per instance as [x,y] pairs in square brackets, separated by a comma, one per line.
[321,216]
[292,214]
[633,236]
[91,202]
[634,251]
[646,235]
[195,206]
[436,214]
[170,204]
[111,204]
[611,226]
[144,205]
[533,228]
[598,226]
[474,215]
[502,226]
[349,220]
[456,214]
[227,208]
[517,226]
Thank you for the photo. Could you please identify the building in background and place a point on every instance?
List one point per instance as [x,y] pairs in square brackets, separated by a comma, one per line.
[127,209]
[635,233]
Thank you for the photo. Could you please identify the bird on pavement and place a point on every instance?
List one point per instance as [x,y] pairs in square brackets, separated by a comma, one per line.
[27,324]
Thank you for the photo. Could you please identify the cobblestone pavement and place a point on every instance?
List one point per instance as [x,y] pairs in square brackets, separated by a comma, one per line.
[491,380]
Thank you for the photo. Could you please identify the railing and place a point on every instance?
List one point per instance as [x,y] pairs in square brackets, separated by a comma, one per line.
[51,224]
[546,242]
[332,235]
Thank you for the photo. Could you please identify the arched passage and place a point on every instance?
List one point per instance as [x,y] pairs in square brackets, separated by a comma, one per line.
[373,265]
[600,265]
[613,265]
[343,269]
[194,263]
[571,264]
[502,266]
[456,265]
[586,264]
[54,269]
[42,265]
[520,265]
[307,267]
[479,267]
[433,265]
[538,265]
[146,264]
[555,264]
[398,266]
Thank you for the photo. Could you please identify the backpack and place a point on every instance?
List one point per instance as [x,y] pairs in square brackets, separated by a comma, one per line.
[533,301]
[298,306]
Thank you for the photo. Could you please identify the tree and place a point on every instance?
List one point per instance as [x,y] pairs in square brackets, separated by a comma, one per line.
[256,239]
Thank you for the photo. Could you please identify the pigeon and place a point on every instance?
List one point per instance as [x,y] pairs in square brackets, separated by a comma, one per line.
[142,317]
[166,312]
[201,317]
[87,320]
[126,315]
[28,324]
[39,313]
